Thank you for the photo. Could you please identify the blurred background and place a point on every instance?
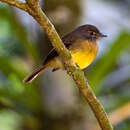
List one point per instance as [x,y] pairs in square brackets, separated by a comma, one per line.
[53,101]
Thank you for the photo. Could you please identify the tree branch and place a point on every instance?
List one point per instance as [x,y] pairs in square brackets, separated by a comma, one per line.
[16,3]
[35,11]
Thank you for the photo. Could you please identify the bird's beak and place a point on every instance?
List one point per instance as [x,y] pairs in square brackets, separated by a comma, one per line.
[102,35]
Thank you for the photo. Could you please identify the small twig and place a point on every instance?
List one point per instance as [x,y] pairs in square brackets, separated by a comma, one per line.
[120,114]
[35,11]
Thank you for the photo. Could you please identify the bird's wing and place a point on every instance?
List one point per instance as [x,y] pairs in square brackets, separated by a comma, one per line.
[50,56]
[68,39]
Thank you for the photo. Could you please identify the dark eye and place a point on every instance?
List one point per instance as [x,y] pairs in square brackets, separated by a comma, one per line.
[92,33]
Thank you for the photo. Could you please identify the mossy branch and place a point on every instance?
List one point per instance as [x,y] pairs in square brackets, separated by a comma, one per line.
[16,3]
[32,7]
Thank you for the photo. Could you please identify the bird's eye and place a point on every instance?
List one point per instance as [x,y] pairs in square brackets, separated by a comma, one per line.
[92,33]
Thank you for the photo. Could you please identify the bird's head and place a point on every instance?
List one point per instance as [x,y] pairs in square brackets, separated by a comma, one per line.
[90,32]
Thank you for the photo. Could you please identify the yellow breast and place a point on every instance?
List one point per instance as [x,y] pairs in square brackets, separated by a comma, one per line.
[84,53]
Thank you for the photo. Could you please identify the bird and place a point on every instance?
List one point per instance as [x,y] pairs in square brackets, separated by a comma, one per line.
[82,43]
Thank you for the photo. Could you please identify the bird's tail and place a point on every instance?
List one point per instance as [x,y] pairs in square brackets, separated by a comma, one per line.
[34,74]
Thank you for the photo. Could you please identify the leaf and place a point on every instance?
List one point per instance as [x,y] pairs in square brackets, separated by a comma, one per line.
[19,31]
